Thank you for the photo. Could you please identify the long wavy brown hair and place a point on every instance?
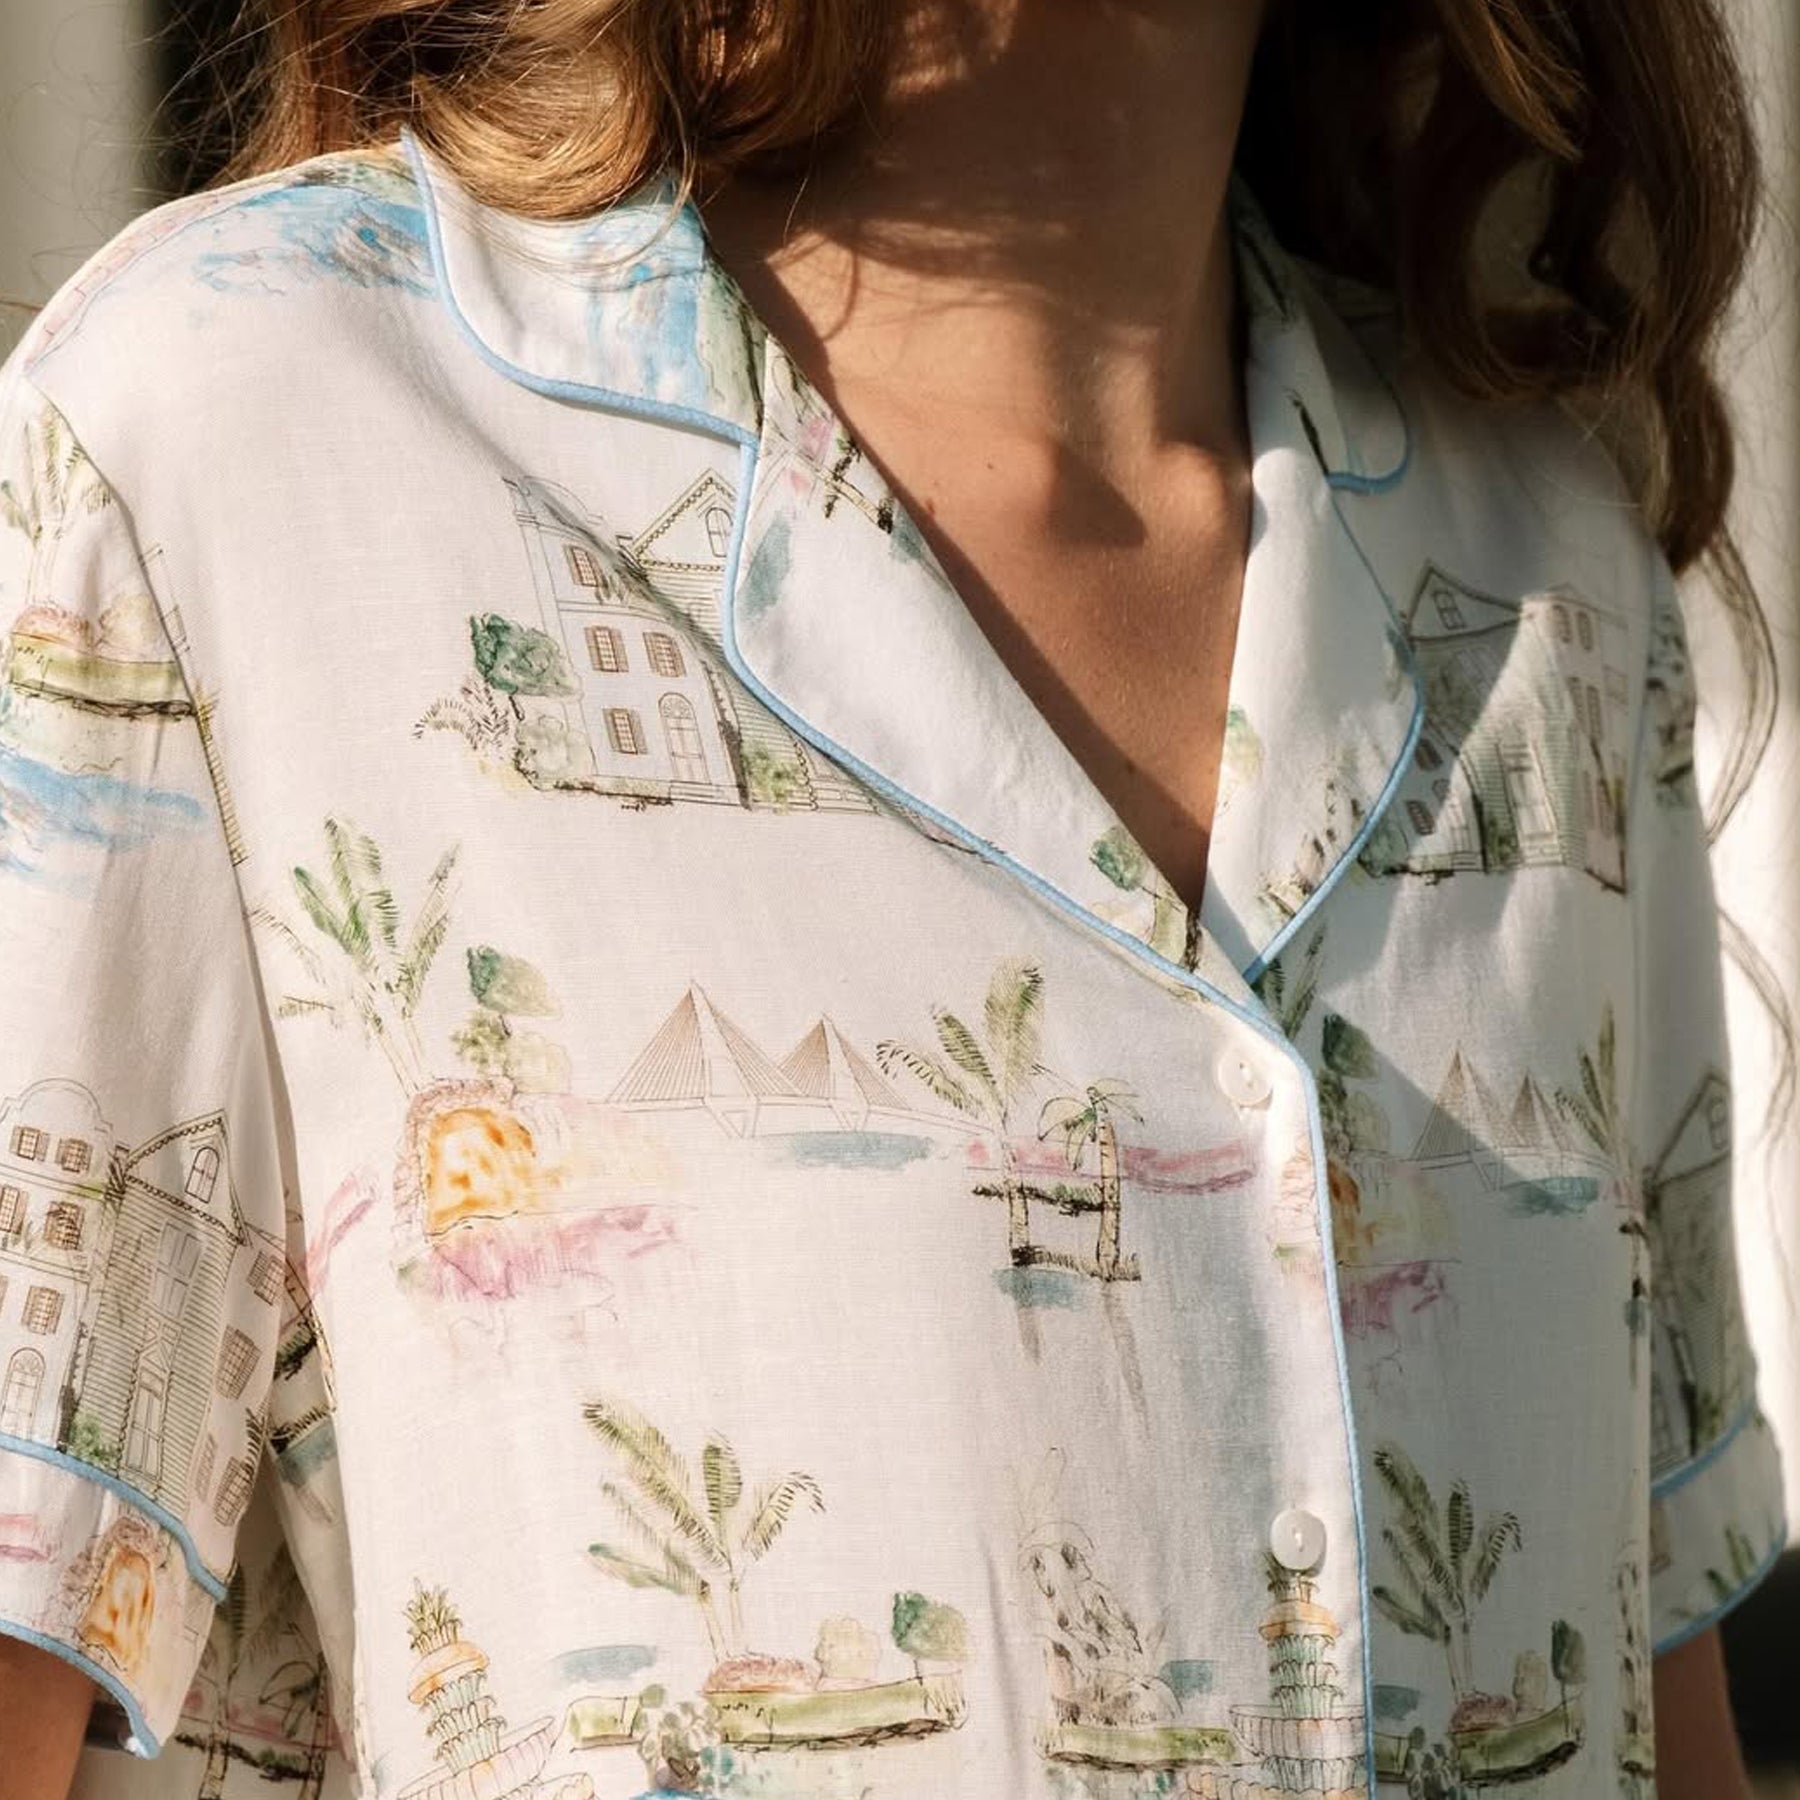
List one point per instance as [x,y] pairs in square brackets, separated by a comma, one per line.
[1396,141]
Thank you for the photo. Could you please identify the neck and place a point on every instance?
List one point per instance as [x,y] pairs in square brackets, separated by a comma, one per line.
[1028,229]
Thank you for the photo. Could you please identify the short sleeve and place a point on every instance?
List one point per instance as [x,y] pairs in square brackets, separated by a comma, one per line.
[142,1237]
[1716,1514]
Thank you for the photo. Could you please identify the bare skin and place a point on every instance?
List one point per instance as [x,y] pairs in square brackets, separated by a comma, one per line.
[44,1704]
[1020,296]
[1015,289]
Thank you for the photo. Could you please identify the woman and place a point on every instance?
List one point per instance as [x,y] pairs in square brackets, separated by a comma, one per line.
[896,978]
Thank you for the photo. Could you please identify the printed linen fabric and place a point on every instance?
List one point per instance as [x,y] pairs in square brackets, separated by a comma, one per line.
[617,1179]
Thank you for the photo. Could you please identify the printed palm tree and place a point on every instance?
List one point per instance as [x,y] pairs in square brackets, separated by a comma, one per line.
[1087,1118]
[1596,1107]
[987,1080]
[1289,1008]
[691,1540]
[1446,1563]
[381,978]
[229,1627]
[55,494]
[298,1686]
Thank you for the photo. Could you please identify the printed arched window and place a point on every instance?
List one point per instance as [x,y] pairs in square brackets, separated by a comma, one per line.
[718,530]
[1585,626]
[19,1397]
[681,732]
[1426,755]
[664,654]
[177,1252]
[203,1174]
[606,649]
[1562,621]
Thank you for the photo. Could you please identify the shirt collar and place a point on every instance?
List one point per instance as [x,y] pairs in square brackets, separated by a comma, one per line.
[840,618]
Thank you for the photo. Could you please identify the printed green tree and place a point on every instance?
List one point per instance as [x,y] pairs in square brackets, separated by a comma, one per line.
[506,989]
[697,1539]
[929,1631]
[987,1075]
[1568,1661]
[1444,1561]
[376,974]
[1087,1118]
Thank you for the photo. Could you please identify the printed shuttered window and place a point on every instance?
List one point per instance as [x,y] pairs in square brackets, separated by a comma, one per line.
[265,1277]
[74,1155]
[234,1491]
[43,1308]
[606,649]
[584,566]
[12,1209]
[62,1225]
[237,1355]
[664,654]
[625,731]
[29,1143]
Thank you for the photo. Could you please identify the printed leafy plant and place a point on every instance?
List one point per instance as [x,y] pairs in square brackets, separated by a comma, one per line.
[508,988]
[520,659]
[1087,1118]
[377,976]
[694,1539]
[987,1076]
[929,1631]
[1595,1107]
[1445,1563]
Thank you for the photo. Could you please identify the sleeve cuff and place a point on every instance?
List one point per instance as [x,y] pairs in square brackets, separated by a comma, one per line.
[1717,1527]
[88,1576]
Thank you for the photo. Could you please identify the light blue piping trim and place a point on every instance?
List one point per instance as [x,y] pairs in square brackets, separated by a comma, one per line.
[202,1576]
[693,417]
[1396,774]
[141,1733]
[1680,1477]
[748,446]
[1751,1582]
[1263,1027]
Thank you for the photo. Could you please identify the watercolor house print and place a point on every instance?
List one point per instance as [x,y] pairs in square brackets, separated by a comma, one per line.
[1522,759]
[1701,1374]
[93,1232]
[615,683]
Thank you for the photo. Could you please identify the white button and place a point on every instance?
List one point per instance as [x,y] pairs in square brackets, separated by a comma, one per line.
[1240,1080]
[1298,1539]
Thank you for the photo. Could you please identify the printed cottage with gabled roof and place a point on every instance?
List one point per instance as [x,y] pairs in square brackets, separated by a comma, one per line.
[1521,761]
[652,711]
